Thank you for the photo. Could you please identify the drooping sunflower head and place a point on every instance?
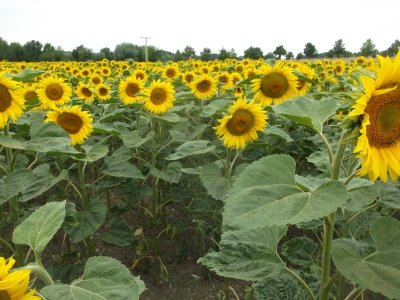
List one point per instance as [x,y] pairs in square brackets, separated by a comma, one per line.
[242,124]
[379,111]
[160,97]
[277,85]
[204,86]
[128,89]
[53,91]
[73,120]
[11,102]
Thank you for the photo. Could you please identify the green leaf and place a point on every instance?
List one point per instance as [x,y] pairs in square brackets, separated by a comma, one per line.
[306,111]
[116,114]
[300,251]
[45,130]
[363,222]
[9,142]
[38,229]
[14,184]
[120,234]
[361,197]
[191,148]
[171,174]
[89,221]
[265,194]
[117,165]
[104,128]
[248,255]
[53,146]
[389,194]
[94,152]
[133,140]
[278,133]
[104,278]
[205,207]
[213,107]
[216,184]
[27,75]
[40,182]
[168,116]
[378,271]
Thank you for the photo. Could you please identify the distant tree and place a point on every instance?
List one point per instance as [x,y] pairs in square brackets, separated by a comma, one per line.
[16,52]
[32,50]
[128,51]
[4,49]
[188,52]
[368,48]
[253,53]
[394,48]
[178,56]
[107,53]
[205,55]
[223,54]
[155,54]
[59,54]
[330,54]
[289,55]
[310,51]
[48,52]
[99,56]
[233,54]
[81,53]
[269,55]
[279,51]
[300,56]
[339,48]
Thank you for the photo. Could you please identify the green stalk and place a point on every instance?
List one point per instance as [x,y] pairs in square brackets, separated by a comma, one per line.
[301,281]
[40,272]
[155,215]
[81,167]
[227,176]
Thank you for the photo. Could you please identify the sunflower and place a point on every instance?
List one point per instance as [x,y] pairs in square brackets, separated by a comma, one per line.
[303,86]
[73,120]
[242,124]
[188,77]
[53,91]
[128,89]
[95,79]
[203,86]
[84,92]
[29,92]
[14,285]
[379,109]
[140,74]
[160,97]
[103,92]
[226,79]
[277,85]
[170,72]
[11,102]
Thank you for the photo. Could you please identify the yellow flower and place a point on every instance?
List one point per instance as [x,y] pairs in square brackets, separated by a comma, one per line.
[128,89]
[11,102]
[103,92]
[95,79]
[53,91]
[160,97]
[170,72]
[140,74]
[73,120]
[14,285]
[188,77]
[379,110]
[242,124]
[302,85]
[277,85]
[226,79]
[203,86]
[84,92]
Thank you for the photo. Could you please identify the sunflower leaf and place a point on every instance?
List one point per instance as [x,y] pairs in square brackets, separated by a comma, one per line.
[265,194]
[216,184]
[191,148]
[378,271]
[14,183]
[103,278]
[39,228]
[306,111]
[171,174]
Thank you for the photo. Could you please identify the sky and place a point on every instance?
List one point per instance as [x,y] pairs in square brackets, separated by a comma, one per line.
[174,24]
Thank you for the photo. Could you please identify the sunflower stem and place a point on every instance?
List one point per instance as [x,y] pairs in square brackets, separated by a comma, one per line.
[41,273]
[81,167]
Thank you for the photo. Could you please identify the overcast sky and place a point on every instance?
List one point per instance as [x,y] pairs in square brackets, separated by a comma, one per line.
[174,24]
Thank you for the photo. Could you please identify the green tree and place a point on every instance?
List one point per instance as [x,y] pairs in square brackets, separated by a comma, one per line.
[368,48]
[253,53]
[16,52]
[128,51]
[32,50]
[59,54]
[223,54]
[289,55]
[279,51]
[205,54]
[233,54]
[48,52]
[310,51]
[155,54]
[107,53]
[4,49]
[394,48]
[81,53]
[339,48]
[299,55]
[178,56]
[269,55]
[188,52]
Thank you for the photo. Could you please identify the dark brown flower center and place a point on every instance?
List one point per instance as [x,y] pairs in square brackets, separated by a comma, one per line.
[132,89]
[240,123]
[5,98]
[30,95]
[54,92]
[170,73]
[69,122]
[204,86]
[4,295]
[158,96]
[86,92]
[384,116]
[96,80]
[274,85]
[103,91]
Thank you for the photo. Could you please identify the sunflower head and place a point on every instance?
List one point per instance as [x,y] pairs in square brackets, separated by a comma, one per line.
[160,97]
[203,86]
[53,91]
[11,101]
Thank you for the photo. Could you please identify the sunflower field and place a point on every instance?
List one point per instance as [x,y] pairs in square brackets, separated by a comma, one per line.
[288,171]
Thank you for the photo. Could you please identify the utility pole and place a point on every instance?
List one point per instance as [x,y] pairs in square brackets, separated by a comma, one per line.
[145,47]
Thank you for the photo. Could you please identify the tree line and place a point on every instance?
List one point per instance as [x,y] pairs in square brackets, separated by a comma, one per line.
[33,51]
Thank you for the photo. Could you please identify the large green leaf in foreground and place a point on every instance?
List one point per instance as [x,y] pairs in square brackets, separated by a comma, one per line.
[378,271]
[248,255]
[103,278]
[265,194]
